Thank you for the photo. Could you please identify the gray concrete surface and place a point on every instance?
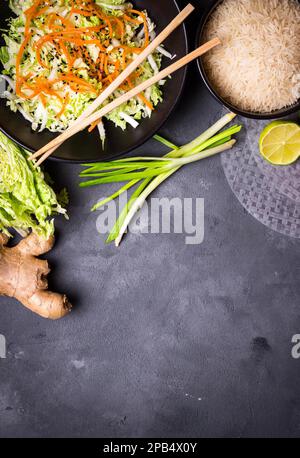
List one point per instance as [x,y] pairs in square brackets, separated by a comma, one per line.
[165,339]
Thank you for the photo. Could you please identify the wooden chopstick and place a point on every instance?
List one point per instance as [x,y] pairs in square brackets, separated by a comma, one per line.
[127,96]
[179,19]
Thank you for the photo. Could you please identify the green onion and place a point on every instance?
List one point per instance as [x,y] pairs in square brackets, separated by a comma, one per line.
[139,201]
[150,172]
[165,142]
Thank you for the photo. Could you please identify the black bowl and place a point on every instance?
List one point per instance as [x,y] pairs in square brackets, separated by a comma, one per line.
[87,147]
[278,114]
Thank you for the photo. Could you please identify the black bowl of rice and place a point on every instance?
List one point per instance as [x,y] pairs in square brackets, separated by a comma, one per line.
[256,71]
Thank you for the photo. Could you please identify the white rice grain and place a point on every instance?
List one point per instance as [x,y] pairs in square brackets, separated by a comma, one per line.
[256,67]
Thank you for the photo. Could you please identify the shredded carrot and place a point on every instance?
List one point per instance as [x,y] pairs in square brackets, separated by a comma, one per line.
[52,17]
[141,96]
[64,105]
[43,99]
[146,101]
[111,77]
[121,27]
[106,65]
[93,125]
[131,19]
[78,81]
[81,12]
[138,73]
[146,29]
[102,60]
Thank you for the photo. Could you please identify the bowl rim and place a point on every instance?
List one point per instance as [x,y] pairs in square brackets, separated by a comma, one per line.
[145,137]
[277,114]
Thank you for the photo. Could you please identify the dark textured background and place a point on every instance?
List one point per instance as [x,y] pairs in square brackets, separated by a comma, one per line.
[165,339]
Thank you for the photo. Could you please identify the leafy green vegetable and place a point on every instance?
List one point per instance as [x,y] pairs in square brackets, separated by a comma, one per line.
[4,56]
[150,172]
[63,198]
[27,202]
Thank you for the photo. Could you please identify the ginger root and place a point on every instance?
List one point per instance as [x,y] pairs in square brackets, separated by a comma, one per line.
[24,276]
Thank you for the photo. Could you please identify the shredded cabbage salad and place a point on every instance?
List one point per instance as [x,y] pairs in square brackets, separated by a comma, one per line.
[61,54]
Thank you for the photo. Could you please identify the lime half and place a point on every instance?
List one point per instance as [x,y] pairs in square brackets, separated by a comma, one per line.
[279,142]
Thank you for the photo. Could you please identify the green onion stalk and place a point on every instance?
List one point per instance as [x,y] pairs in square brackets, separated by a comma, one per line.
[149,172]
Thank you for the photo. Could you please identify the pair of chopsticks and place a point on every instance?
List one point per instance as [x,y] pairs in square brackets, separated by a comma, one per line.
[90,115]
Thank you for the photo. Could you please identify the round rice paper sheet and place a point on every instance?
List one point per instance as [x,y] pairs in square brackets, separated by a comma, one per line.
[269,193]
